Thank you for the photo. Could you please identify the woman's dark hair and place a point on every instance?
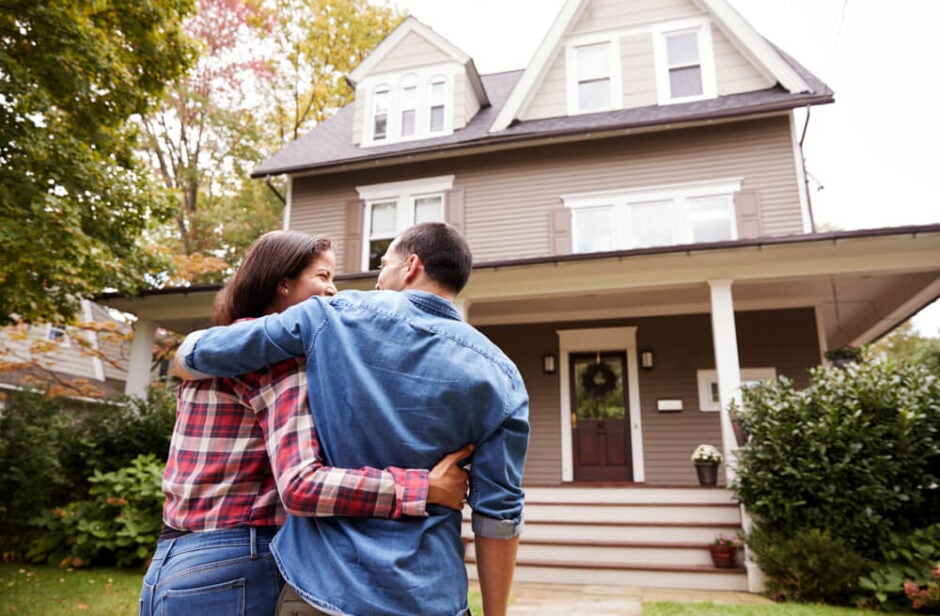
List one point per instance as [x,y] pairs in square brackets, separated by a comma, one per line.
[274,256]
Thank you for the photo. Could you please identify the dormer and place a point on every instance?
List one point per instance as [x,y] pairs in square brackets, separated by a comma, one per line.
[606,55]
[414,85]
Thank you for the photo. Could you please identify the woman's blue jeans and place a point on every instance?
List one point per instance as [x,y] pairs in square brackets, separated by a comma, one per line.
[213,573]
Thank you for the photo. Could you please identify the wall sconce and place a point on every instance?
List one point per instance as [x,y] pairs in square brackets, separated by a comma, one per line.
[548,363]
[646,359]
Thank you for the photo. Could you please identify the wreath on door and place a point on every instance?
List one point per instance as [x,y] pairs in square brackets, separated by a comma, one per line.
[598,380]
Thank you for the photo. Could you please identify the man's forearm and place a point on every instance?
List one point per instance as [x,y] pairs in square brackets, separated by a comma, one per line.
[496,564]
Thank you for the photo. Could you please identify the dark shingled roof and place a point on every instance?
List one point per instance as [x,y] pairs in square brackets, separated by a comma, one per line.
[329,144]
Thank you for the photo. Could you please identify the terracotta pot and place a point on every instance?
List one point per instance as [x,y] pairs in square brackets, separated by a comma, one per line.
[723,556]
[707,473]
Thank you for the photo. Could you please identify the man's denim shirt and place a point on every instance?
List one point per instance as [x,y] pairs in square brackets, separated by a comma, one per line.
[395,379]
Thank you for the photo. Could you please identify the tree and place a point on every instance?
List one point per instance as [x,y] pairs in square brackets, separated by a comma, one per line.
[904,345]
[73,200]
[319,43]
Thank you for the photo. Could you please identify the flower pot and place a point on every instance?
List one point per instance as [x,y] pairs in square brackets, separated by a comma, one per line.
[707,473]
[723,556]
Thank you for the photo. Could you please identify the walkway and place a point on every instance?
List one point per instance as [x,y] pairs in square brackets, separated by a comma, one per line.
[573,600]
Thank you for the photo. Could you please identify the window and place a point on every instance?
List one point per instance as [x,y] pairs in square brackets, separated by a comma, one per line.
[409,103]
[685,68]
[594,80]
[708,399]
[59,335]
[436,99]
[670,215]
[380,114]
[392,208]
[684,61]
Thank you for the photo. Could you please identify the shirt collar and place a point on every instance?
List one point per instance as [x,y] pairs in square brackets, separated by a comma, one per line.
[435,304]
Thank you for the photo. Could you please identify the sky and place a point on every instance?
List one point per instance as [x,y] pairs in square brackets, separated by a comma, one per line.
[872,155]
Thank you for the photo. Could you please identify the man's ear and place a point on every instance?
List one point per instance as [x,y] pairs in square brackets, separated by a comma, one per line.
[413,268]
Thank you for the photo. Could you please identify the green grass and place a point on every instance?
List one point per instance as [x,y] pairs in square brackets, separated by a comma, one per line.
[45,590]
[41,590]
[764,609]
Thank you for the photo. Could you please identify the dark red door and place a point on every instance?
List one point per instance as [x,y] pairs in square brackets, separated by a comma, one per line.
[599,430]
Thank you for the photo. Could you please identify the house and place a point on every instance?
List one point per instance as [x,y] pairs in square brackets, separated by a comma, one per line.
[88,360]
[636,202]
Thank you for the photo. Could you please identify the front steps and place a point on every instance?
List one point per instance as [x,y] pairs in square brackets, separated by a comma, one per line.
[625,536]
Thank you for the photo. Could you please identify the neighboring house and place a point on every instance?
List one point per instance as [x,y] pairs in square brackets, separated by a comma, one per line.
[643,238]
[87,361]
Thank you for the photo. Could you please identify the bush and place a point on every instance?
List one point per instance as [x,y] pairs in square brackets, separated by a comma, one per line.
[856,455]
[907,559]
[50,447]
[118,524]
[808,565]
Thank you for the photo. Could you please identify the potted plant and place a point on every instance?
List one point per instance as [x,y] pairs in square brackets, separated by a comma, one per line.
[706,459]
[844,355]
[723,550]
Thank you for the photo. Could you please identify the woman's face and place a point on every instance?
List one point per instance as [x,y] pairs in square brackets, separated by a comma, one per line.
[317,279]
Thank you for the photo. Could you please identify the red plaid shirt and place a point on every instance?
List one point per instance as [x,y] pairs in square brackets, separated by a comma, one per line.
[238,442]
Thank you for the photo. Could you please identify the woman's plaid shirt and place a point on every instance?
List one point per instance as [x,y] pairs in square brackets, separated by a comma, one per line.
[239,442]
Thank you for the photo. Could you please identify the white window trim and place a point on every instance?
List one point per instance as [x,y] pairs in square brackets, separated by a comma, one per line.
[678,194]
[706,57]
[404,191]
[396,82]
[370,122]
[571,73]
[708,378]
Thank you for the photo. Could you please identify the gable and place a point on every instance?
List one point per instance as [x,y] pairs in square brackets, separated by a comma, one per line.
[412,51]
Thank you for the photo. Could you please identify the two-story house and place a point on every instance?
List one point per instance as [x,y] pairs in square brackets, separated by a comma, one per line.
[643,242]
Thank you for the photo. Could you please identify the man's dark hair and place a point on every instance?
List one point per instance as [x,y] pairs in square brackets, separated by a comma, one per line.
[443,251]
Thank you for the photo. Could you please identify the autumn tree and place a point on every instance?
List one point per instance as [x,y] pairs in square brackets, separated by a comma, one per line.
[905,345]
[73,200]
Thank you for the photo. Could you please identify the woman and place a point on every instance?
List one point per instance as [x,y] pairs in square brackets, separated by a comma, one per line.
[244,453]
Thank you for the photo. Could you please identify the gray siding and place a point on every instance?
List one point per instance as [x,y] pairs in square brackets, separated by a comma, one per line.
[506,192]
[783,339]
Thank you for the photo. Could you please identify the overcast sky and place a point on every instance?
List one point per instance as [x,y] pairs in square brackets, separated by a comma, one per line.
[874,151]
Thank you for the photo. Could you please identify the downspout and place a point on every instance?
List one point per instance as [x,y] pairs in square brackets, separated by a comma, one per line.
[809,200]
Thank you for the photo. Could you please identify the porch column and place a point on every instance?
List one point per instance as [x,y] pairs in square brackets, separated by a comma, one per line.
[727,364]
[138,372]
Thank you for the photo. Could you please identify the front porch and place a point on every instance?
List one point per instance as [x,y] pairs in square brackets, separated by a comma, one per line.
[625,536]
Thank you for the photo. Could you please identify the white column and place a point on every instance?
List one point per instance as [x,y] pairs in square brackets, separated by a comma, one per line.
[138,372]
[727,364]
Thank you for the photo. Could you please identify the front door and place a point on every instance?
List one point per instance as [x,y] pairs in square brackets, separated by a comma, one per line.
[599,434]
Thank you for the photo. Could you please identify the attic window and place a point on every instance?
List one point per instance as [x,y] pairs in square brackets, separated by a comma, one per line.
[409,104]
[58,334]
[437,106]
[594,80]
[685,67]
[380,114]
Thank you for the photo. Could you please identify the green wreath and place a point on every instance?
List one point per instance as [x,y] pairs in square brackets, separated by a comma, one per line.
[598,380]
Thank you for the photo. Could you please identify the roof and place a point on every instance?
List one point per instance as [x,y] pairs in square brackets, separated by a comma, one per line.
[329,144]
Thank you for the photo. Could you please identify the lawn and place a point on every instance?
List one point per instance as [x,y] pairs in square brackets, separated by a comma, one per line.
[45,590]
[764,609]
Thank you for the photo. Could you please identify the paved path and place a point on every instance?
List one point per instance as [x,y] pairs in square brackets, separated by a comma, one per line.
[576,600]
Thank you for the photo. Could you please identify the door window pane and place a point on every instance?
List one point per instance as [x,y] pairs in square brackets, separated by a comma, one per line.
[598,382]
[594,229]
[650,224]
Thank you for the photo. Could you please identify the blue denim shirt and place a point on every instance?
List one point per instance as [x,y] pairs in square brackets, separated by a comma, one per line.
[395,379]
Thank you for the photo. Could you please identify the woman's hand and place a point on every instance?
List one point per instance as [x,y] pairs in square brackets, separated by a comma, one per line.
[448,483]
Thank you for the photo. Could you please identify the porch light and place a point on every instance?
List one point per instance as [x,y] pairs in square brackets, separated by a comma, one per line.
[548,363]
[646,359]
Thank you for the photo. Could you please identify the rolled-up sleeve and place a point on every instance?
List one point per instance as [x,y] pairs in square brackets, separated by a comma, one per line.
[496,494]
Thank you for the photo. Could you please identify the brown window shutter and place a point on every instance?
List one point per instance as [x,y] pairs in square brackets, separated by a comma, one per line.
[454,211]
[560,229]
[352,240]
[747,211]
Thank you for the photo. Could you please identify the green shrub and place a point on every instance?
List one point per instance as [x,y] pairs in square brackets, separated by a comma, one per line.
[908,558]
[50,447]
[808,565]
[856,455]
[118,524]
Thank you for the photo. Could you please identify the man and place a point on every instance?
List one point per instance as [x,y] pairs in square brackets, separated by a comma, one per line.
[396,379]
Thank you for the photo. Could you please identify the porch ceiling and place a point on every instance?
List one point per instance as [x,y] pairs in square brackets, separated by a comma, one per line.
[861,286]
